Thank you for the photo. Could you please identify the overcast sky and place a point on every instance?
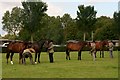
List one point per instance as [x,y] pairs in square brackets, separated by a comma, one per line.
[60,7]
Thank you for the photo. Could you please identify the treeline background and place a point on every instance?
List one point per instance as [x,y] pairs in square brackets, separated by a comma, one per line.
[32,23]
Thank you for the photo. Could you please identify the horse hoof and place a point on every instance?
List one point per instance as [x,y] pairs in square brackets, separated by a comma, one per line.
[35,62]
[12,62]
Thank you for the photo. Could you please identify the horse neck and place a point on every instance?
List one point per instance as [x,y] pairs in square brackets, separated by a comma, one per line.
[83,43]
[41,44]
[104,43]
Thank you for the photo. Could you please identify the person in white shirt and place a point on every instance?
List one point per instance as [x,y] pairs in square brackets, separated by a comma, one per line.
[51,51]
[111,45]
[93,50]
[28,53]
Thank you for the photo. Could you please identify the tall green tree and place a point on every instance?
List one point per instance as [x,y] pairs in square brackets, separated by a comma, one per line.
[33,13]
[104,33]
[86,18]
[104,28]
[12,22]
[23,35]
[53,29]
[117,23]
[69,27]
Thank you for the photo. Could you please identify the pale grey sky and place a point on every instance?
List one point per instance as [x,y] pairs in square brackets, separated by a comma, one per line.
[60,7]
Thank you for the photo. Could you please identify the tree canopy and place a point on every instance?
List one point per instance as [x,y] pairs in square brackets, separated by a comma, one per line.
[104,28]
[12,22]
[33,13]
[32,22]
[117,23]
[86,18]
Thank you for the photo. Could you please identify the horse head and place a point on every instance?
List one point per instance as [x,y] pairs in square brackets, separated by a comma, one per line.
[88,44]
[27,44]
[105,43]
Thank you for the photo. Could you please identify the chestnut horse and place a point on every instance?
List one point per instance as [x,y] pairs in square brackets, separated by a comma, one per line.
[75,46]
[15,47]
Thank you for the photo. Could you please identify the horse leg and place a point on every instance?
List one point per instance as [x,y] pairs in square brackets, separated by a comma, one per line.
[79,55]
[67,55]
[7,56]
[102,54]
[39,57]
[95,54]
[35,58]
[20,58]
[11,56]
[23,59]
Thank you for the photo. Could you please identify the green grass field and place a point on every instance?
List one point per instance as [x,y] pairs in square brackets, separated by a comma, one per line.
[62,68]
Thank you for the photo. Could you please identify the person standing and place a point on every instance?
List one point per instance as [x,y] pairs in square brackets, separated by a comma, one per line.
[93,50]
[111,45]
[93,45]
[51,51]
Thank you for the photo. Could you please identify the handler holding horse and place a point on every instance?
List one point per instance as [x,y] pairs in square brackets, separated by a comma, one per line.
[93,50]
[51,51]
[111,45]
[99,46]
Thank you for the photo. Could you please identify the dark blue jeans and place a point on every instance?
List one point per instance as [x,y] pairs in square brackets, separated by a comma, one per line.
[111,53]
[51,57]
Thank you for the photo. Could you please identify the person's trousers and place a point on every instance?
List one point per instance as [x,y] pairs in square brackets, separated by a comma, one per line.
[26,55]
[51,57]
[111,54]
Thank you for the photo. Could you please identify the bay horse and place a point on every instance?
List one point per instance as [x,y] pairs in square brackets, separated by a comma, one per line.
[75,46]
[16,47]
[99,46]
[37,46]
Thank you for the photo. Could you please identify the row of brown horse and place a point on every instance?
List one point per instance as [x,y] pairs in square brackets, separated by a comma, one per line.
[79,45]
[19,47]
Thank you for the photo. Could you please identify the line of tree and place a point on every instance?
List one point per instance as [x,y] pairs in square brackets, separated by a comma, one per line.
[33,23]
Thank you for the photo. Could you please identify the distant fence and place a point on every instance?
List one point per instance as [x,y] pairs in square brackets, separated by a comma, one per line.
[60,49]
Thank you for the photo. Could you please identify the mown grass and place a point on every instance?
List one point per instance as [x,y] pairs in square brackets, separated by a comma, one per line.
[62,68]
